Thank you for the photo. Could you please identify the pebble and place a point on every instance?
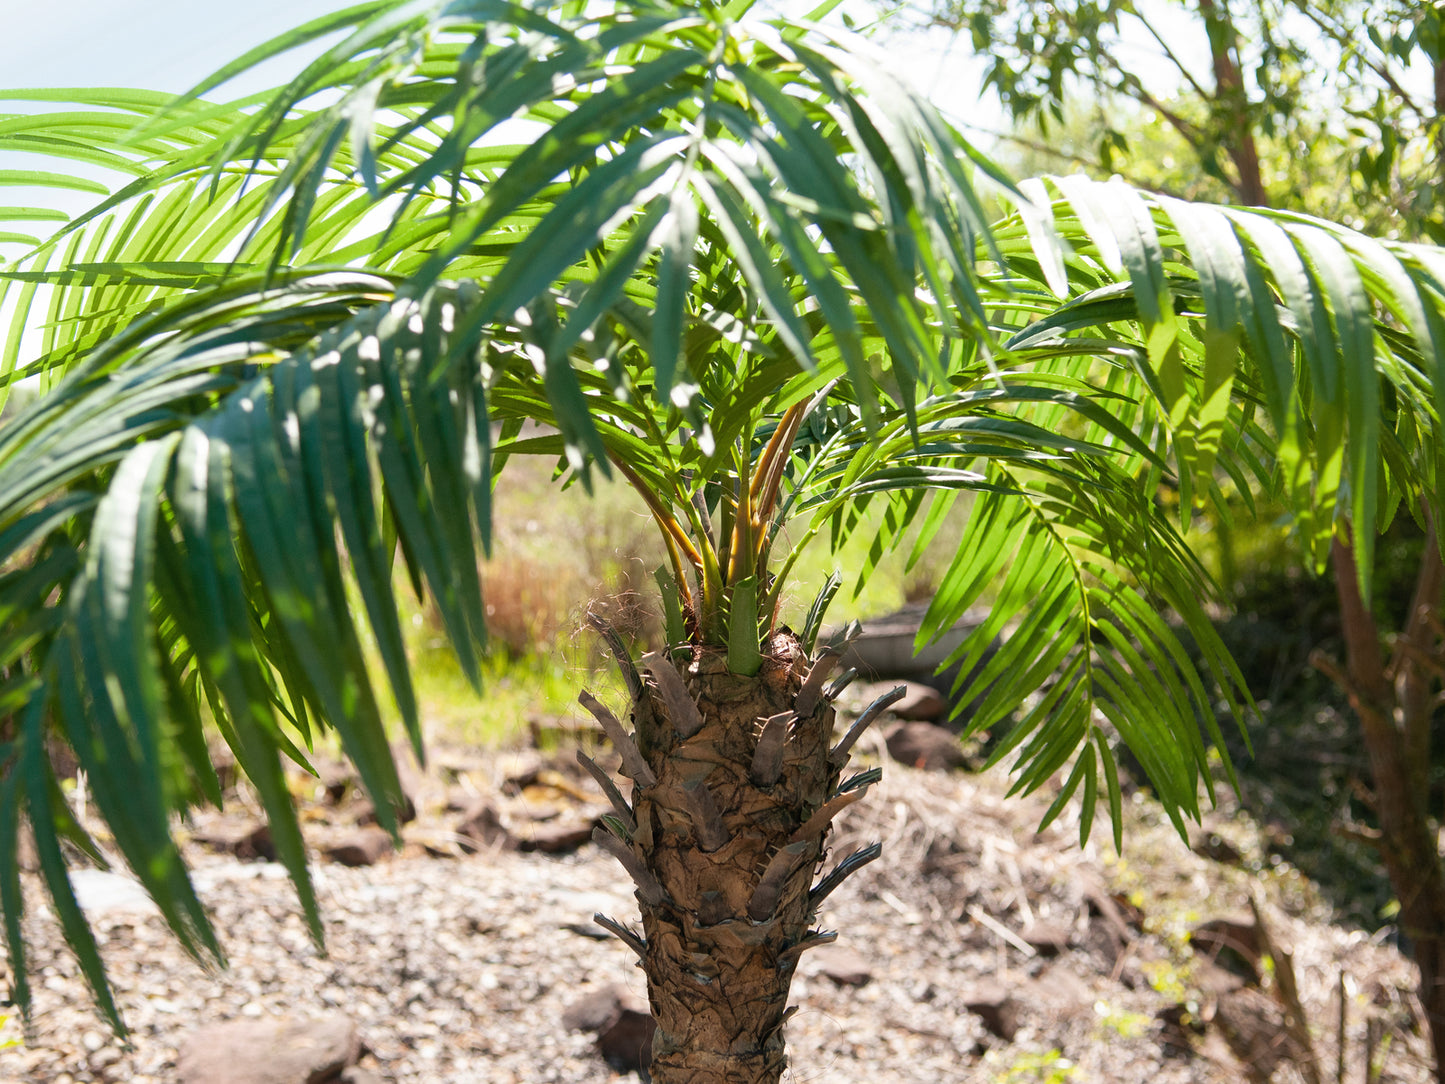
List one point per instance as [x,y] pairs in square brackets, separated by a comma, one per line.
[460,970]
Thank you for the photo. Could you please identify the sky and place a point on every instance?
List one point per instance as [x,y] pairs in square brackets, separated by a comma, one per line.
[165,45]
[171,45]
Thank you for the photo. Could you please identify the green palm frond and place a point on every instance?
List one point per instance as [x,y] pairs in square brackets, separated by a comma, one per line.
[219,474]
[736,261]
[1075,558]
[758,140]
[232,434]
[1340,336]
[1205,352]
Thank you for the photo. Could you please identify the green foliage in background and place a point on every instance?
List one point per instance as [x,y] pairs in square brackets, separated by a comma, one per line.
[1326,106]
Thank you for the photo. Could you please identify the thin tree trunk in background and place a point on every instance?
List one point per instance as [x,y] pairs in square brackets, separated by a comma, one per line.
[1393,700]
[1394,703]
[1439,116]
[1231,104]
[1415,649]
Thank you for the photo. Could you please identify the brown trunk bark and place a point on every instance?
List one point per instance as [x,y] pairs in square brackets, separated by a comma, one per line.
[734,785]
[1232,104]
[1391,702]
[1439,115]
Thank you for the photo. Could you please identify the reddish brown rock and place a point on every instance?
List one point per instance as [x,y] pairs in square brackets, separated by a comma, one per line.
[845,966]
[245,839]
[362,847]
[920,703]
[559,838]
[626,1043]
[923,745]
[286,1051]
[623,1023]
[595,1010]
[481,828]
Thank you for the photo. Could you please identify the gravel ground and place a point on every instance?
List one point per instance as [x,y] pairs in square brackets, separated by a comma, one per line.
[458,970]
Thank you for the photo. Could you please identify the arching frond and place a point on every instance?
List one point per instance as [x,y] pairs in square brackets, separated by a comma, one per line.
[213,467]
[621,149]
[1336,336]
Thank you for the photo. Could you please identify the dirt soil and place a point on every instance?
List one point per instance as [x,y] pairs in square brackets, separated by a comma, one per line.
[974,950]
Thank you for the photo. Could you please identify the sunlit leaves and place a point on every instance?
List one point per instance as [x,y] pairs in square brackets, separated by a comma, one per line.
[219,530]
[1325,319]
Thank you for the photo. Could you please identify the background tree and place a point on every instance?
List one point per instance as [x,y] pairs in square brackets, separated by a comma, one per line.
[1271,99]
[1277,101]
[736,262]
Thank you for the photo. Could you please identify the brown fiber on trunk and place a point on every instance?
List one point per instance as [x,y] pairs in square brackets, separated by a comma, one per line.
[726,889]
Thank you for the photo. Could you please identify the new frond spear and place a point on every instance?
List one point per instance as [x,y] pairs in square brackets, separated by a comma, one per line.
[734,261]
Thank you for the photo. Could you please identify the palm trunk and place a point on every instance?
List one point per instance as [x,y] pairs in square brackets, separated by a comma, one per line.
[735,781]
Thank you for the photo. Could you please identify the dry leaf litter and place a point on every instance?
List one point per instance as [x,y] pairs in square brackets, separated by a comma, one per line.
[974,950]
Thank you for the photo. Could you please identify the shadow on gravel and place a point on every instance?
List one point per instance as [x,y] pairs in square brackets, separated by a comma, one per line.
[1308,779]
[1307,773]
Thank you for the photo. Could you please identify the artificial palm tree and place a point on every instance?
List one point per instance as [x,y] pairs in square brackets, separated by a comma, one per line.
[736,262]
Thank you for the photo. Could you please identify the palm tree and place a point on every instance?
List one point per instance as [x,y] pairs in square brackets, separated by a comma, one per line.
[739,264]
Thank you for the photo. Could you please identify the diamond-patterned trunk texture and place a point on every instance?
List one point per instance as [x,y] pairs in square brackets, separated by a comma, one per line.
[734,784]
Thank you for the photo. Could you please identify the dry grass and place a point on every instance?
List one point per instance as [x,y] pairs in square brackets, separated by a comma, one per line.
[955,849]
[559,553]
